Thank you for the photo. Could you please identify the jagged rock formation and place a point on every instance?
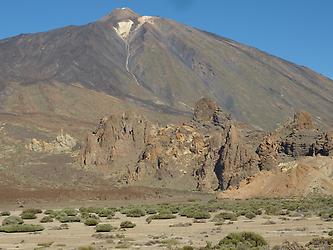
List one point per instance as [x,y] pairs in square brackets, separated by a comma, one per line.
[295,139]
[324,146]
[211,152]
[118,138]
[237,160]
[206,153]
[62,143]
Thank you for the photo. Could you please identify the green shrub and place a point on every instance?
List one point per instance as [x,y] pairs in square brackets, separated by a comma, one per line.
[46,219]
[288,246]
[106,212]
[50,212]
[226,216]
[320,243]
[70,211]
[127,224]
[201,215]
[86,248]
[69,219]
[187,248]
[90,210]
[12,220]
[250,215]
[330,233]
[135,212]
[28,216]
[258,212]
[33,211]
[161,217]
[21,228]
[273,210]
[150,210]
[91,222]
[243,240]
[103,228]
[5,213]
[59,214]
[187,211]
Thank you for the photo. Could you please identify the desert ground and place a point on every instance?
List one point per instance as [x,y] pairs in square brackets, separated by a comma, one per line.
[275,220]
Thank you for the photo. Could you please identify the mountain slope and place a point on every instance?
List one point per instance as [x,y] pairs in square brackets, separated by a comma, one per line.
[162,66]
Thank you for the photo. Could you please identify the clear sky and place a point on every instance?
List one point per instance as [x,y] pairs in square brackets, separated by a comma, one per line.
[297,30]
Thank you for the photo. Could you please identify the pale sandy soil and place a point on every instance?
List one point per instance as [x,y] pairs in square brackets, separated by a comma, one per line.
[297,229]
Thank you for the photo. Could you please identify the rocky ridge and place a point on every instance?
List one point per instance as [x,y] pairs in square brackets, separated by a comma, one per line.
[200,154]
[211,152]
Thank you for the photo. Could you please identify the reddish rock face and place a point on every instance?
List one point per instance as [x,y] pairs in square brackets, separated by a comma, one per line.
[237,160]
[211,152]
[207,153]
[303,120]
[295,139]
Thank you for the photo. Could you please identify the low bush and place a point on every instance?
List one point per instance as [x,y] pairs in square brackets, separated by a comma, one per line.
[201,215]
[12,220]
[288,246]
[163,216]
[5,213]
[69,219]
[50,212]
[86,248]
[90,210]
[330,233]
[106,212]
[70,211]
[127,224]
[135,212]
[250,215]
[150,210]
[33,211]
[226,216]
[187,248]
[103,228]
[242,240]
[185,224]
[320,243]
[28,216]
[91,222]
[46,219]
[188,211]
[21,228]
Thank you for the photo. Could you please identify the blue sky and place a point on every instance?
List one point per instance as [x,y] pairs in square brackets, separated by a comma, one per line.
[297,30]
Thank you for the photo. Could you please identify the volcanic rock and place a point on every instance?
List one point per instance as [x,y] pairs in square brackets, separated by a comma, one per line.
[62,143]
[206,153]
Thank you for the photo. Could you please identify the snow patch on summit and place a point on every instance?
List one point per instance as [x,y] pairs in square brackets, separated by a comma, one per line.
[146,19]
[124,28]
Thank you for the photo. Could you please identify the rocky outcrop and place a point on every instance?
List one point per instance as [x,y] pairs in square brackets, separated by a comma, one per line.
[237,160]
[211,152]
[62,144]
[297,138]
[207,153]
[324,146]
[117,139]
[208,112]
